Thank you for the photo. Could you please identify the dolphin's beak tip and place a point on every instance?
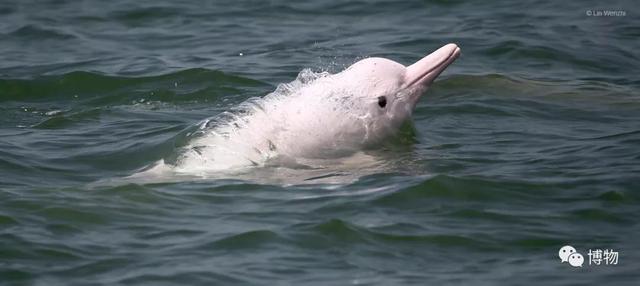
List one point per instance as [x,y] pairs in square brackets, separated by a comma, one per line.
[454,47]
[428,68]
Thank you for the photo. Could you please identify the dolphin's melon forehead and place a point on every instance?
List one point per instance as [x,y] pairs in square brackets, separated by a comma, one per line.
[374,63]
[376,69]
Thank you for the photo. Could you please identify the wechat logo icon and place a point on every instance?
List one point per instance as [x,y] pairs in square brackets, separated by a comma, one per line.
[568,253]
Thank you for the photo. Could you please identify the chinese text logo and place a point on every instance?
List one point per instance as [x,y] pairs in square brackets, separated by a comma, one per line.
[569,254]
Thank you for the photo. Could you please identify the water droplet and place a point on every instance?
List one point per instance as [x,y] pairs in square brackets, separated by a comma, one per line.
[53,112]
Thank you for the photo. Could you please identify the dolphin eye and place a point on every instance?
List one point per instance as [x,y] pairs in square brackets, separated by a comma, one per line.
[382,101]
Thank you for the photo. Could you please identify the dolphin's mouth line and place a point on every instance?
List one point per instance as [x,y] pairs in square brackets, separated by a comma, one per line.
[434,70]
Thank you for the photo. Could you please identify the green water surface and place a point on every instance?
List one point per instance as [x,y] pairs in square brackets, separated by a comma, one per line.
[528,142]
